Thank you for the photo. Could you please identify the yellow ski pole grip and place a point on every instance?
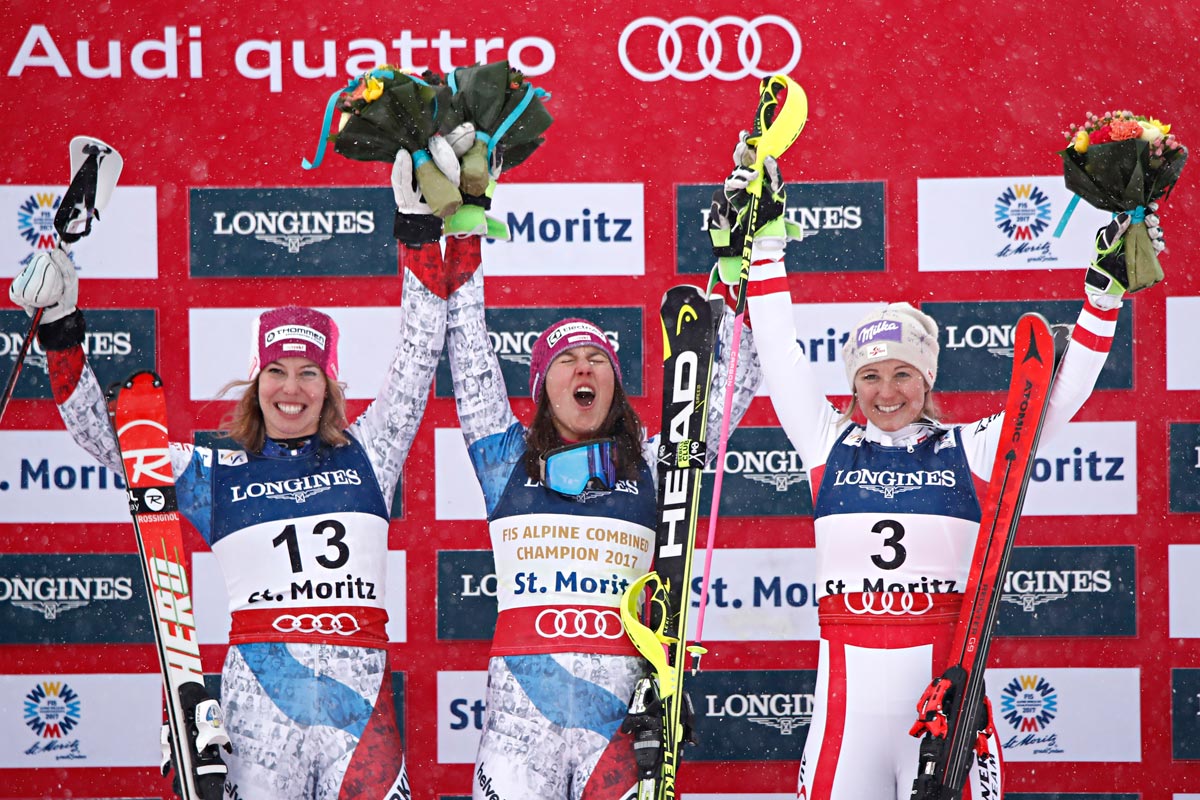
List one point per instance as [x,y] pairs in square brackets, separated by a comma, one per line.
[782,112]
[648,642]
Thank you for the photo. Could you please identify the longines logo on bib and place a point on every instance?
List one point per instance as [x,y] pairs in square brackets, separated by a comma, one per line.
[297,489]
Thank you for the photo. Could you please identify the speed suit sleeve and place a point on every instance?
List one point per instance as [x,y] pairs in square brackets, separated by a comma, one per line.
[479,391]
[1091,341]
[389,424]
[749,376]
[810,421]
[84,411]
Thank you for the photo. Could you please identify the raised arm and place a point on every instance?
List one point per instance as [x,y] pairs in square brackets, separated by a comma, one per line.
[810,421]
[1091,341]
[389,424]
[479,391]
[50,282]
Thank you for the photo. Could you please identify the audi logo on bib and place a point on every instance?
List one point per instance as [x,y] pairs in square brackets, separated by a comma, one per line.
[342,624]
[728,48]
[579,623]
[893,603]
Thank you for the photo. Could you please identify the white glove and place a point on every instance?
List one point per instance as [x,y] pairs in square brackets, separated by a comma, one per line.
[404,186]
[743,154]
[445,158]
[461,138]
[49,281]
[1154,229]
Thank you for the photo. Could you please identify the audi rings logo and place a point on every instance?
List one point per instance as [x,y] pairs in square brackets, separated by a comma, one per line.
[342,624]
[893,603]
[753,58]
[579,623]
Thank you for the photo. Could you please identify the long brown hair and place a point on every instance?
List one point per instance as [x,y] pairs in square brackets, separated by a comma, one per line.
[246,426]
[622,424]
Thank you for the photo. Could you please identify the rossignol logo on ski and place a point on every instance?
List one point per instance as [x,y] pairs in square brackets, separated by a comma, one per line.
[145,463]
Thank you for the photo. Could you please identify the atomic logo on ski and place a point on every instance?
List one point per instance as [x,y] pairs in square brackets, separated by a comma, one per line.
[1033,354]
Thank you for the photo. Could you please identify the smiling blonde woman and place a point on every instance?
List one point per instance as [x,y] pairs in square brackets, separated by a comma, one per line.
[896,511]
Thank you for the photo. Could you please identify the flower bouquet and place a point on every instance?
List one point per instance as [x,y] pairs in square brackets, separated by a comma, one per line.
[1122,162]
[385,111]
[508,116]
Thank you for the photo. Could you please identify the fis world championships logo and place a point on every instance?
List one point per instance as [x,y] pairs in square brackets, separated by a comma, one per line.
[1022,213]
[35,220]
[52,710]
[1029,703]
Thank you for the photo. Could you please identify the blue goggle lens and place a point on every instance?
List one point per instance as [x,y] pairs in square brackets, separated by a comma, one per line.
[576,468]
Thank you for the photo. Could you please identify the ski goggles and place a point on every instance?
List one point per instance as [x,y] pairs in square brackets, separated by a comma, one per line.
[576,468]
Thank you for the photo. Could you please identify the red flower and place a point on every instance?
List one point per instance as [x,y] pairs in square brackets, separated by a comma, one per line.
[1101,136]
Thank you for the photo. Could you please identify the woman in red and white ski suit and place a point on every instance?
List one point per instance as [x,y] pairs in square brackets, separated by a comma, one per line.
[896,512]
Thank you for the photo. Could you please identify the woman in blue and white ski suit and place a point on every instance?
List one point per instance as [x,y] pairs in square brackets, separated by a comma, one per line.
[896,513]
[562,671]
[297,513]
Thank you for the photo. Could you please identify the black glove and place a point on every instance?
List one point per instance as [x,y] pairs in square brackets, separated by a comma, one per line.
[727,219]
[415,223]
[1106,279]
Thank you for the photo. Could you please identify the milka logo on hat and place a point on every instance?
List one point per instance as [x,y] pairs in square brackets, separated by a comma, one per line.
[302,332]
[880,329]
[573,328]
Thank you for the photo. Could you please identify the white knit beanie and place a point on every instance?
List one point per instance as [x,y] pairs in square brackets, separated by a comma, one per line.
[896,331]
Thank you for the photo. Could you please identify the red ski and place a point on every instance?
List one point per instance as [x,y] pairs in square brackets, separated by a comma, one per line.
[138,411]
[953,709]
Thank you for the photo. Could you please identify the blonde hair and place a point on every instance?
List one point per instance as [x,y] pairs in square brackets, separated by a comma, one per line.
[246,426]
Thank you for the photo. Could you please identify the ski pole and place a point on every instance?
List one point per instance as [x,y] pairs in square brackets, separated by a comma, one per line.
[16,370]
[775,128]
[95,168]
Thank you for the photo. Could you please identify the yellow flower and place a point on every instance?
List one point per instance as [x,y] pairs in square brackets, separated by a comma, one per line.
[1081,141]
[1164,129]
[374,89]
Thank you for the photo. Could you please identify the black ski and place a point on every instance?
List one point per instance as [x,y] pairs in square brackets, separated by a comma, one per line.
[660,713]
[953,709]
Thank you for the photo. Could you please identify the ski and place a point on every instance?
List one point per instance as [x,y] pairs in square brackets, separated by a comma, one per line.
[661,716]
[953,709]
[138,411]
